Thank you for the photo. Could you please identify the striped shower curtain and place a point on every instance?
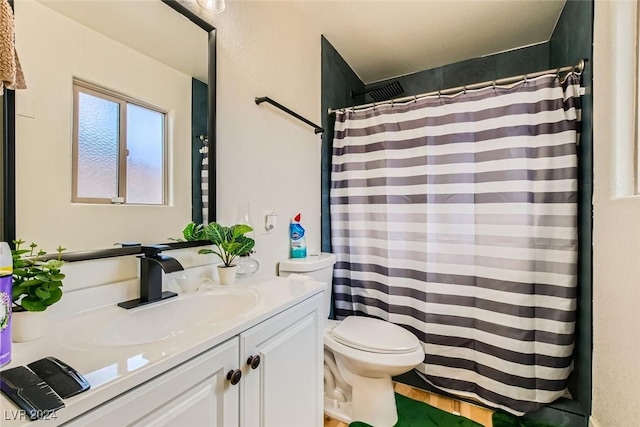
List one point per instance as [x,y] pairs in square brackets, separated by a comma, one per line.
[455,217]
[204,181]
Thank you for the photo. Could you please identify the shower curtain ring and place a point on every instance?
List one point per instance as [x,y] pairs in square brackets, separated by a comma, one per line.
[392,103]
[353,109]
[494,85]
[439,95]
[464,90]
[415,98]
[558,72]
[374,105]
[525,78]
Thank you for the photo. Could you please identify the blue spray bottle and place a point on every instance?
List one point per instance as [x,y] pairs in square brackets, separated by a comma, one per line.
[298,244]
[6,281]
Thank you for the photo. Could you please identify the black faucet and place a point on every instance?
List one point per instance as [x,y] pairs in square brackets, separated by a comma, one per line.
[151,265]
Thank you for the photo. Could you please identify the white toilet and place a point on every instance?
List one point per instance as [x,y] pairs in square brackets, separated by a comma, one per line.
[361,354]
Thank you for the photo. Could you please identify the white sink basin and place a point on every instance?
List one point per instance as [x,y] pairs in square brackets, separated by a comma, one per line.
[170,318]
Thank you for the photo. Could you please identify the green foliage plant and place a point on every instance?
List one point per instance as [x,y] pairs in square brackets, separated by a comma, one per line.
[230,242]
[36,282]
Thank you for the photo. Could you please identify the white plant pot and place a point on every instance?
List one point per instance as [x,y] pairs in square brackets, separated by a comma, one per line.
[227,275]
[29,325]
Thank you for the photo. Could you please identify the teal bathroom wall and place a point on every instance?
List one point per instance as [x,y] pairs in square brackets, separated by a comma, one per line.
[476,70]
[572,41]
[337,82]
[199,110]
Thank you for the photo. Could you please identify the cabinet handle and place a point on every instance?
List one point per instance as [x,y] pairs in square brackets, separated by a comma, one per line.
[234,376]
[254,361]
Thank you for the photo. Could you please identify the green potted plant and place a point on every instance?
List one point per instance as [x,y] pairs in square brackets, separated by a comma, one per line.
[229,242]
[36,286]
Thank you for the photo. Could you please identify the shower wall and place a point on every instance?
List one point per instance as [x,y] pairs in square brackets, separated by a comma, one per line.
[338,80]
[491,67]
[571,41]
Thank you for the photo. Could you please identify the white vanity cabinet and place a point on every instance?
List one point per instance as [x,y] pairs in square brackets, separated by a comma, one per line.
[195,393]
[284,389]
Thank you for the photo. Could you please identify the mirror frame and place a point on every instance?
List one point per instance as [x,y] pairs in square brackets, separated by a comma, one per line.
[9,154]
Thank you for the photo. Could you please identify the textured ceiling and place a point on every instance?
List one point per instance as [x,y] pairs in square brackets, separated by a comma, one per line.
[383,39]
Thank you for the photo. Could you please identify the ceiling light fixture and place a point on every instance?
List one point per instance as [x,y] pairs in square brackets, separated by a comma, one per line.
[216,5]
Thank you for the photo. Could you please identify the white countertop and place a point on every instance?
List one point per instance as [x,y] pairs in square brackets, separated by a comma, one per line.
[114,369]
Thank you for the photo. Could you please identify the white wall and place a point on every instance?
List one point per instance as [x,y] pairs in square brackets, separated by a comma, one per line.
[266,157]
[53,49]
[616,299]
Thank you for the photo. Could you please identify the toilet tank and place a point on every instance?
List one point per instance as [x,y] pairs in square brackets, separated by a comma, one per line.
[318,267]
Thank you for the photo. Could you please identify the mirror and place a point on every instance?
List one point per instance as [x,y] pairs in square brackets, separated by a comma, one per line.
[141,49]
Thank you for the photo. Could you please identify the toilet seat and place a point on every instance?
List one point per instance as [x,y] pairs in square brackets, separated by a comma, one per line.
[374,336]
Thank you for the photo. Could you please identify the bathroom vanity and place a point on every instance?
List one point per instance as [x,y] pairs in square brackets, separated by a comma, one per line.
[249,355]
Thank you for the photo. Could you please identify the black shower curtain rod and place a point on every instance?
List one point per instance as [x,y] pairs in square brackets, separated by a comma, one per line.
[578,68]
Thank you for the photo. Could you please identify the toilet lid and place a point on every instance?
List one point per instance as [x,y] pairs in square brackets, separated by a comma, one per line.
[375,336]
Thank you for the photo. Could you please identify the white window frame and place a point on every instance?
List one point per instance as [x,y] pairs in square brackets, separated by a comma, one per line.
[80,86]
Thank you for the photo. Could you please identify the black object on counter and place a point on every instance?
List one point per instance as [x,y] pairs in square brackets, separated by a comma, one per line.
[62,378]
[39,388]
[30,392]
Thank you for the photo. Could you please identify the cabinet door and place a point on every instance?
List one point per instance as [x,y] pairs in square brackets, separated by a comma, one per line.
[286,388]
[194,394]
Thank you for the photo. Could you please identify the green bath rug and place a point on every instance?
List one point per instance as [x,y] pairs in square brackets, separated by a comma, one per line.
[412,413]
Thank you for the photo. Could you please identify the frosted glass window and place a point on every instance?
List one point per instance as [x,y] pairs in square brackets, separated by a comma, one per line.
[98,141]
[145,168]
[119,149]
